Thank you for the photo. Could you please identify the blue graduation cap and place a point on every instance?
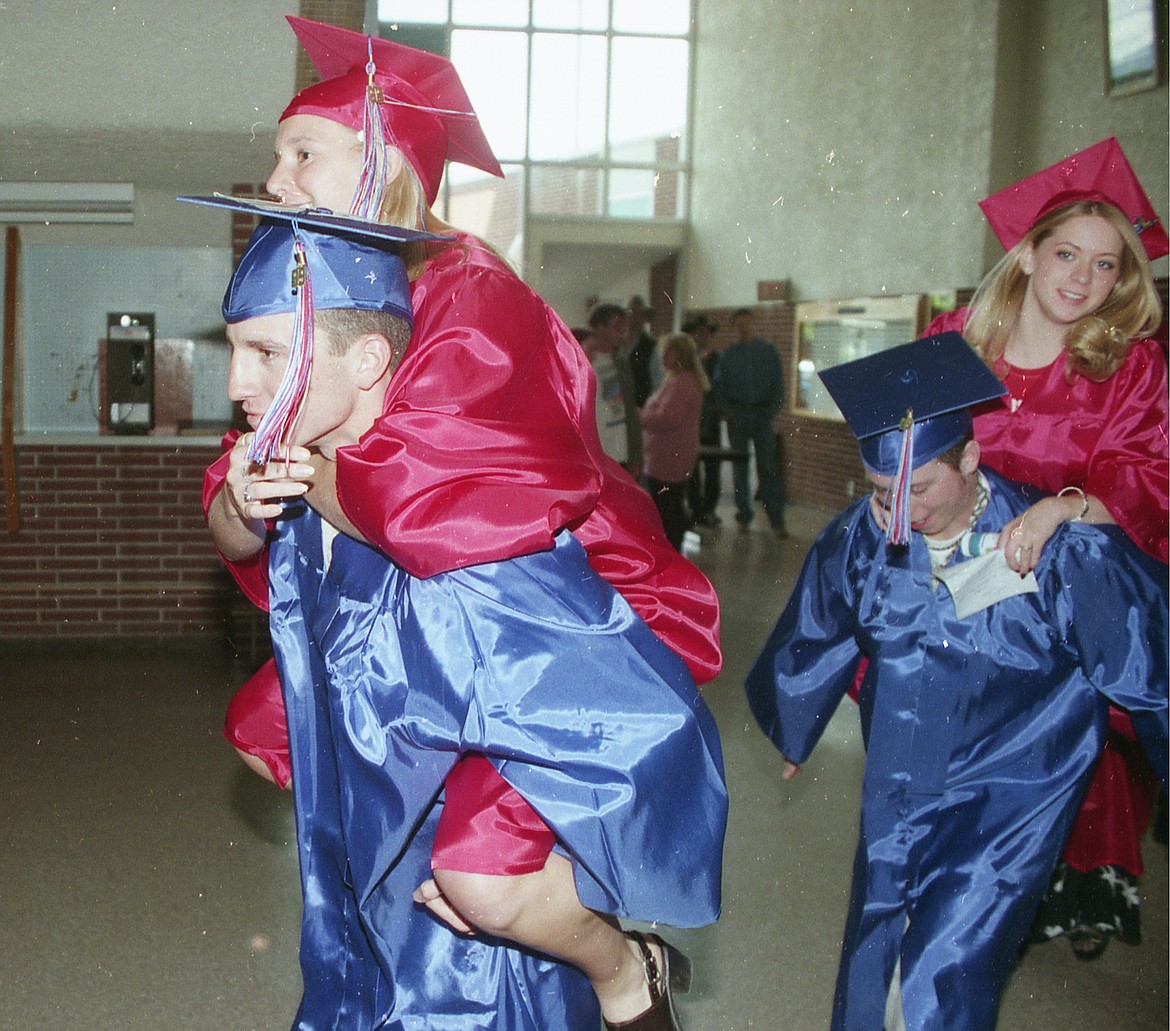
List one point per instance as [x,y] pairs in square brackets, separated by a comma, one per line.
[296,262]
[907,405]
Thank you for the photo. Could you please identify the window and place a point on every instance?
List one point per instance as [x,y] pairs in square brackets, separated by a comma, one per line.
[829,333]
[585,101]
[1131,33]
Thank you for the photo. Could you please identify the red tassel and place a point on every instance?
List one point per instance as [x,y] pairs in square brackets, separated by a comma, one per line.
[274,434]
[898,495]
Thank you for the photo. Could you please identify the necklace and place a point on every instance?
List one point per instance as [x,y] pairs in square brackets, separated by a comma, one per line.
[942,551]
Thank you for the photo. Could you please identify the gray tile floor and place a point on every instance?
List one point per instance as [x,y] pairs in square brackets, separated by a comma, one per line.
[148,882]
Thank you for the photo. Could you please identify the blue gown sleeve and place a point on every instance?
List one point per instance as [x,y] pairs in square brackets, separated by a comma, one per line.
[1123,643]
[811,656]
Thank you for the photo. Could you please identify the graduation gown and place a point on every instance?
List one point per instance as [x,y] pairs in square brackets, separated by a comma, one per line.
[980,735]
[1110,439]
[387,679]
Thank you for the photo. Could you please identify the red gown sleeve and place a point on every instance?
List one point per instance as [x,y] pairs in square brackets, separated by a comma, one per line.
[251,574]
[947,322]
[1128,470]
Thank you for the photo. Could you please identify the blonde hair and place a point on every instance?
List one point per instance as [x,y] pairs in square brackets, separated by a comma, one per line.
[1095,345]
[403,204]
[683,344]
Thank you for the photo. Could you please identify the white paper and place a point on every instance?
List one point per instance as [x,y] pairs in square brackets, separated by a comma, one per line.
[980,582]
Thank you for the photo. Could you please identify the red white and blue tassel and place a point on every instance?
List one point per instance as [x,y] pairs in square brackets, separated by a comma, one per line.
[898,495]
[367,199]
[274,434]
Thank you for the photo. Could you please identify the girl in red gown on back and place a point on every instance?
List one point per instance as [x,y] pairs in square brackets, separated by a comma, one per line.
[1066,319]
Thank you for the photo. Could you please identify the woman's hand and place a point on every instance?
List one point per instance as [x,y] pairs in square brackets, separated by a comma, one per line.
[256,491]
[250,494]
[1024,537]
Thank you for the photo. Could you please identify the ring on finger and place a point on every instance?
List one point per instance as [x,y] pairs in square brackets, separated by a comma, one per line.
[247,494]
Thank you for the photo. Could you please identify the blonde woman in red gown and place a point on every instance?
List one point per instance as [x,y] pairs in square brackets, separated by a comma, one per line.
[1066,320]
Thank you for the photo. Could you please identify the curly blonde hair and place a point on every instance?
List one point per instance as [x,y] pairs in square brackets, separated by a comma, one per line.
[1095,345]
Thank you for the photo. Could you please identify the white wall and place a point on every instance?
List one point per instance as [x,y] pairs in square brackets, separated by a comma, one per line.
[843,145]
[67,294]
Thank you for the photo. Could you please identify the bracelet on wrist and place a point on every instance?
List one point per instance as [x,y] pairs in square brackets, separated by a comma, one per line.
[1084,502]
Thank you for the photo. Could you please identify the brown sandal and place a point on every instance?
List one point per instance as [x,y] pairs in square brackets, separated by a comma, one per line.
[675,976]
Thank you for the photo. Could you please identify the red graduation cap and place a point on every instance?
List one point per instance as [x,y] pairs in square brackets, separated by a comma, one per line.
[424,108]
[1100,173]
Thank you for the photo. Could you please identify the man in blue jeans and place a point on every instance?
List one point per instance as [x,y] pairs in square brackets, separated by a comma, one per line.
[749,388]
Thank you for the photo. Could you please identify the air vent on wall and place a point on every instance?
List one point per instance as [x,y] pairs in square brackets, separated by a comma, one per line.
[66,202]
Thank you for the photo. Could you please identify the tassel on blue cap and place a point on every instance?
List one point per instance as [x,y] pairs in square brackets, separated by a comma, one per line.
[898,493]
[907,405]
[274,434]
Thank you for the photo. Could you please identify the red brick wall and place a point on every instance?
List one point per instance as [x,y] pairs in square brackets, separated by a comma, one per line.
[113,544]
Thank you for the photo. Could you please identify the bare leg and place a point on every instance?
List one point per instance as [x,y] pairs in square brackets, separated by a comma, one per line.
[542,911]
[259,767]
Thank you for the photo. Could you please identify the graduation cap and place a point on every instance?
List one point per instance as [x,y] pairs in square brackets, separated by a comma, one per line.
[300,261]
[392,93]
[1100,173]
[907,405]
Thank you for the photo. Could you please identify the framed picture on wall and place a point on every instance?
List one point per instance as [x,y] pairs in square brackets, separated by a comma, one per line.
[1133,30]
[831,332]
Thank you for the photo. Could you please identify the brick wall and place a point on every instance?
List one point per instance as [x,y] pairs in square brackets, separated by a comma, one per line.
[113,544]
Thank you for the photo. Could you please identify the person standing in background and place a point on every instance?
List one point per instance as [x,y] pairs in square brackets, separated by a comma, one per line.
[670,425]
[704,487]
[749,388]
[642,351]
[617,414]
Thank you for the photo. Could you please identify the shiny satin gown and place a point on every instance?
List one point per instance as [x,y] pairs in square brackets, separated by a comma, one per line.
[387,679]
[980,736]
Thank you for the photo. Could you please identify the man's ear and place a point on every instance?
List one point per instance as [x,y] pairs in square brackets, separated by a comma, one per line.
[969,460]
[375,356]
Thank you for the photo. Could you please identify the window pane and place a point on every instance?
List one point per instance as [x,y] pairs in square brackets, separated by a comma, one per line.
[644,193]
[631,193]
[664,16]
[565,190]
[493,67]
[490,12]
[570,14]
[568,96]
[428,11]
[489,207]
[648,89]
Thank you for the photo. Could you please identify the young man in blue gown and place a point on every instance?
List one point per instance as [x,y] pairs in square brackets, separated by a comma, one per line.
[984,697]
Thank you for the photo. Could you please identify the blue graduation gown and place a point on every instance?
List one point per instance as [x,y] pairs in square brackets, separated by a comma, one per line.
[980,734]
[539,664]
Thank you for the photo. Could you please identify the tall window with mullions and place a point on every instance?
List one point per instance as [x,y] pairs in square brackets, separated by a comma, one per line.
[585,103]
